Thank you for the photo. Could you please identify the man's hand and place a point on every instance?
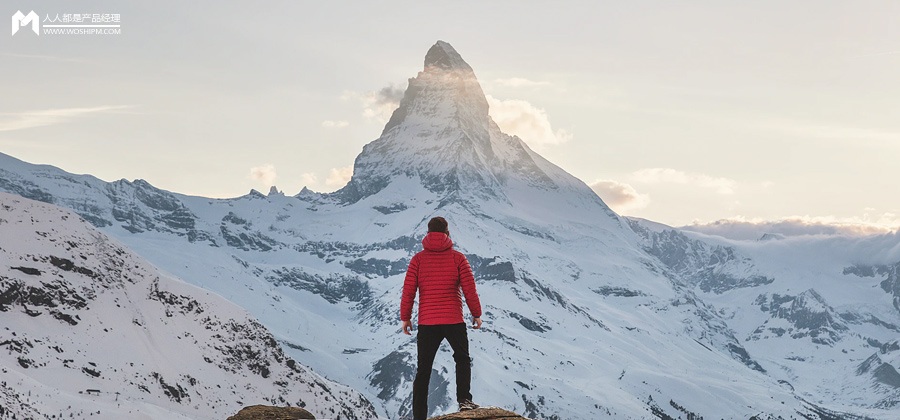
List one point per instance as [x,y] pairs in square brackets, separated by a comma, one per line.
[407,325]
[476,323]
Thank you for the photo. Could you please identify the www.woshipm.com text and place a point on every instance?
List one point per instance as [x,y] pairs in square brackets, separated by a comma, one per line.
[82,31]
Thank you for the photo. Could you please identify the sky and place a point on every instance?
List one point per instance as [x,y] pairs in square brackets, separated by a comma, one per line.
[699,113]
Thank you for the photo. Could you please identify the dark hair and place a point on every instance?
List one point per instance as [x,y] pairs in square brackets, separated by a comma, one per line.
[437,224]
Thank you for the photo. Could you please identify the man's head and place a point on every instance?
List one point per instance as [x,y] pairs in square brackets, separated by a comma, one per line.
[438,224]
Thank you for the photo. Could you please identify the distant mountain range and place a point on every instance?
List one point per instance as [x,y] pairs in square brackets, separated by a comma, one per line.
[588,314]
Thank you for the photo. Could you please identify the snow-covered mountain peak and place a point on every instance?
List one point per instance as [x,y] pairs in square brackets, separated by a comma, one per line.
[441,145]
[446,94]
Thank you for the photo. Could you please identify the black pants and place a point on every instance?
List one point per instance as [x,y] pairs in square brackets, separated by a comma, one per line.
[428,340]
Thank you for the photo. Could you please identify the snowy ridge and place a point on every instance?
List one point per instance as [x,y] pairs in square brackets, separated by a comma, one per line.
[830,303]
[587,315]
[81,312]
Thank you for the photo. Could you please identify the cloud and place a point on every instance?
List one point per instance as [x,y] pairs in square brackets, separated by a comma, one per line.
[517,82]
[308,179]
[673,176]
[265,174]
[335,124]
[875,54]
[378,105]
[621,197]
[742,228]
[45,57]
[829,131]
[10,121]
[339,176]
[531,124]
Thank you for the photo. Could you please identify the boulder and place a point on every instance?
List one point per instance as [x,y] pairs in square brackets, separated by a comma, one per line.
[264,412]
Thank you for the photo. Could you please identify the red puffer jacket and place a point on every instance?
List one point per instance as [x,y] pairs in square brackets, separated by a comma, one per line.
[438,272]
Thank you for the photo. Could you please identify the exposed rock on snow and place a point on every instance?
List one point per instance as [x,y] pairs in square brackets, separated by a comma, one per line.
[771,237]
[483,413]
[264,412]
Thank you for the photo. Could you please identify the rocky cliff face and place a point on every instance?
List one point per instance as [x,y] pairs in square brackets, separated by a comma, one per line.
[710,268]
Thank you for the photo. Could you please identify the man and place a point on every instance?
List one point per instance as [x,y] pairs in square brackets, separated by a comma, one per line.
[437,273]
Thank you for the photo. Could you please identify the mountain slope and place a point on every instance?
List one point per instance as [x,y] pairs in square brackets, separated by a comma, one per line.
[89,327]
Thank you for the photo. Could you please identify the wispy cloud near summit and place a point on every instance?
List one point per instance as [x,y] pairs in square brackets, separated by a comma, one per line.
[380,104]
[530,123]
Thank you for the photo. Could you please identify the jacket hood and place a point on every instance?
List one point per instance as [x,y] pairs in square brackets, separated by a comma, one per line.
[437,241]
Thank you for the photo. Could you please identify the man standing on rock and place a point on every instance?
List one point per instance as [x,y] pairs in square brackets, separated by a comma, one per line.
[437,273]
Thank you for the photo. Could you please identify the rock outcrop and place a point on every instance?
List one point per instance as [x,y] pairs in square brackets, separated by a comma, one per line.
[264,412]
[484,413]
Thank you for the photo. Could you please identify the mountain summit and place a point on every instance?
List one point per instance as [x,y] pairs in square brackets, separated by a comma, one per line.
[446,76]
[442,55]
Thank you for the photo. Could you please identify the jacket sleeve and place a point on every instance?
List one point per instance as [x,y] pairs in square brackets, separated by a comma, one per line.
[467,282]
[410,287]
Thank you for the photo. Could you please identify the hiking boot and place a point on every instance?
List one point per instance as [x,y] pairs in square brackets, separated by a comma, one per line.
[466,405]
